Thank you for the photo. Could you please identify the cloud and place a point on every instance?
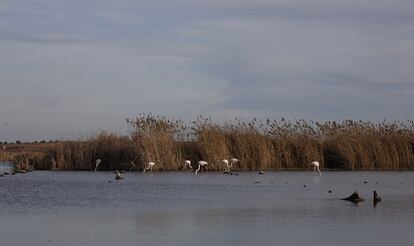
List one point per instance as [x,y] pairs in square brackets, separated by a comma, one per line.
[69,67]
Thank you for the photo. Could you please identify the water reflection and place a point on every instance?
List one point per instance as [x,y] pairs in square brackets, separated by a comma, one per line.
[68,208]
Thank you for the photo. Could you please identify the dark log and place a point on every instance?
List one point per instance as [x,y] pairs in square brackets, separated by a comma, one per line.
[377,198]
[355,198]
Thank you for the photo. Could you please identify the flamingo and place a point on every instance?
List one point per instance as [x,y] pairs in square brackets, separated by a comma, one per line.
[315,166]
[228,166]
[226,163]
[118,175]
[201,164]
[188,164]
[233,161]
[98,161]
[149,166]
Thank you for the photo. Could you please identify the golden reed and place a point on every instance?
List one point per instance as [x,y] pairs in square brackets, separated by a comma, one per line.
[258,144]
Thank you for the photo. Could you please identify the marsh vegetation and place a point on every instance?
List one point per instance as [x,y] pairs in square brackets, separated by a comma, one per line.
[258,144]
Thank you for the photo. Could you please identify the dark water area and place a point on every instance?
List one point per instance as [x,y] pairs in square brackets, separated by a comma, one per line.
[179,208]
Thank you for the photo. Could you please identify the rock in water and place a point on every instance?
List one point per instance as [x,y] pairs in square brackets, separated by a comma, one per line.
[355,198]
[377,198]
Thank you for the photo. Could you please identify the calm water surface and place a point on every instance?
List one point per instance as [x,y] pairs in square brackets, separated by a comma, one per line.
[178,208]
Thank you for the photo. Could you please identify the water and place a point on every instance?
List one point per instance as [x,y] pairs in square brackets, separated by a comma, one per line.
[172,208]
[5,166]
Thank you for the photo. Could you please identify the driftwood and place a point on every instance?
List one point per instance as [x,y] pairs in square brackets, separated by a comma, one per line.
[355,198]
[377,198]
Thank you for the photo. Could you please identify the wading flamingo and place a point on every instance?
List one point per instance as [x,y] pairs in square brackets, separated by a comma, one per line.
[233,161]
[118,175]
[201,164]
[315,166]
[97,162]
[227,166]
[188,164]
[149,166]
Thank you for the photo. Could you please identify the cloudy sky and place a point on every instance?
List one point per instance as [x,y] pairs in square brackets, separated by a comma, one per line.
[74,67]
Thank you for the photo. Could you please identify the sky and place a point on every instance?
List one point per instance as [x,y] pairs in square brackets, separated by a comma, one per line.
[71,68]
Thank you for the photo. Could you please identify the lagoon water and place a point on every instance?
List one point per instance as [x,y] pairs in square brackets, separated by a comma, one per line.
[179,208]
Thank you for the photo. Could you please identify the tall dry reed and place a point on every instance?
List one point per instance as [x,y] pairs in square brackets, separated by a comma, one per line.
[114,151]
[258,144]
[154,139]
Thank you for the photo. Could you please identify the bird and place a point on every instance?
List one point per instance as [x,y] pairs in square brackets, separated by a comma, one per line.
[98,161]
[233,161]
[315,166]
[149,166]
[201,164]
[188,164]
[118,175]
[227,166]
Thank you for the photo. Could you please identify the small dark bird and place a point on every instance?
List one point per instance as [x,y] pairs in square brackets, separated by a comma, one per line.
[304,185]
[261,172]
[365,182]
[330,191]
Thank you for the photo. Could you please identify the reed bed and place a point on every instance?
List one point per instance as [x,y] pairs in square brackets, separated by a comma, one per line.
[154,138]
[81,154]
[27,160]
[258,144]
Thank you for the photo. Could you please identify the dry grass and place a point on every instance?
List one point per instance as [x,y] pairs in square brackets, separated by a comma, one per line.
[26,160]
[259,145]
[154,139]
[81,154]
